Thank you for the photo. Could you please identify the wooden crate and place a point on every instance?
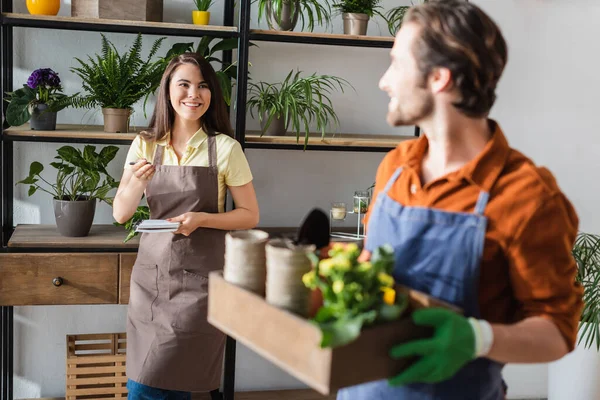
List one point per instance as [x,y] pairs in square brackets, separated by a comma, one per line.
[96,366]
[134,10]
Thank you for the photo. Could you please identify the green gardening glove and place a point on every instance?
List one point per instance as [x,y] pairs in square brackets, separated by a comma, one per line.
[451,347]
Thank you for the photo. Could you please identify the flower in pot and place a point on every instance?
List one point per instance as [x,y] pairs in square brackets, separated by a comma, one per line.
[298,101]
[356,14]
[201,16]
[38,101]
[116,82]
[81,180]
[283,15]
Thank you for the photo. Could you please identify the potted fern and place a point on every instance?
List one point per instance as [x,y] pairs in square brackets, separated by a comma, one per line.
[574,376]
[298,101]
[81,180]
[201,16]
[283,15]
[116,82]
[356,15]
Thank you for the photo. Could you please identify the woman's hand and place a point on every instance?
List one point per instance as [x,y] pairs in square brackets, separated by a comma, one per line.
[143,170]
[189,222]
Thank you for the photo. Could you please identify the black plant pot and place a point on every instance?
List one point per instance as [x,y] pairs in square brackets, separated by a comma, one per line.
[74,218]
[42,120]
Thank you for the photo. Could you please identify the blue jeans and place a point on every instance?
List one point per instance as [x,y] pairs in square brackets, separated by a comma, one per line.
[138,391]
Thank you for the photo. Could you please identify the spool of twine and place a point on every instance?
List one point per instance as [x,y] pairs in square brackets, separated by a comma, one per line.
[245,259]
[286,264]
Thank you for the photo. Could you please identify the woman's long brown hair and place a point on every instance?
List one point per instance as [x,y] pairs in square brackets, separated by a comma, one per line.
[216,118]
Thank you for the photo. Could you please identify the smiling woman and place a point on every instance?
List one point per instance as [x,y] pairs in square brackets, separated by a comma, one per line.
[184,164]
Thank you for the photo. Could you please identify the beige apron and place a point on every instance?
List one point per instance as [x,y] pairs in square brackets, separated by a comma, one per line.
[170,344]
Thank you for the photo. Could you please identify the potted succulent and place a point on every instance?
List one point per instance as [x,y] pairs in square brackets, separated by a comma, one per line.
[81,180]
[116,82]
[38,101]
[283,15]
[574,376]
[356,14]
[297,100]
[201,16]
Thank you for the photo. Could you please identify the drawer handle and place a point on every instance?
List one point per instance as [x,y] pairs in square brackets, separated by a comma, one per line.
[57,281]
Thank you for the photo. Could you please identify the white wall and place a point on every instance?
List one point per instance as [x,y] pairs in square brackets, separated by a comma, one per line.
[545,107]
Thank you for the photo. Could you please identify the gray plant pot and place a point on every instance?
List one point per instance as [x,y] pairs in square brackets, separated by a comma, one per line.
[276,128]
[116,120]
[42,120]
[74,218]
[289,16]
[355,24]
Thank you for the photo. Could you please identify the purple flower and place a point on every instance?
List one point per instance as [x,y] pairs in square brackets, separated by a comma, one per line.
[43,76]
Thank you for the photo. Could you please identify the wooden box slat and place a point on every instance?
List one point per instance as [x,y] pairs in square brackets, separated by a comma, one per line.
[96,366]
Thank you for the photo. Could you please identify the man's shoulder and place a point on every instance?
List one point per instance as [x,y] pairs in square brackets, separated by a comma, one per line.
[400,154]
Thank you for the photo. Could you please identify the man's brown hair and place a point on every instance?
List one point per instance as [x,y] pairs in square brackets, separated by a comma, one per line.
[459,36]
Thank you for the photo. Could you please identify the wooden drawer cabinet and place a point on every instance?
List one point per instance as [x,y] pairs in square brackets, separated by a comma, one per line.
[125,267]
[53,278]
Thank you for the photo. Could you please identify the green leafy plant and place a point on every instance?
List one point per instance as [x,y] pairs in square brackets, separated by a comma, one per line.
[355,294]
[310,11]
[81,175]
[369,7]
[119,81]
[395,16]
[586,252]
[203,5]
[227,74]
[299,100]
[141,213]
[43,87]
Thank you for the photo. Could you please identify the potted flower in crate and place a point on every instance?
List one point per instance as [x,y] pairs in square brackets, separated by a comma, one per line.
[356,14]
[297,100]
[116,82]
[38,101]
[81,180]
[283,15]
[201,16]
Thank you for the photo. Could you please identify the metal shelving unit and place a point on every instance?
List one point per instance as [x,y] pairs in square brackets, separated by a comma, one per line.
[74,134]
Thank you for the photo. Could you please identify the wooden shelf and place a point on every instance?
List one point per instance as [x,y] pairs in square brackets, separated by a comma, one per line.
[47,236]
[333,39]
[114,25]
[69,134]
[338,141]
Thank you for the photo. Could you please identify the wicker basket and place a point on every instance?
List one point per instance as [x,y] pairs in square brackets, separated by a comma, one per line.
[96,366]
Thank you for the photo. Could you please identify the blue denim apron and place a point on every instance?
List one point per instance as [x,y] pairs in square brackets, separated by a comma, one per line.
[439,253]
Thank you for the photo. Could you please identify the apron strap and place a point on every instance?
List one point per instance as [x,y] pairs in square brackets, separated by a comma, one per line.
[212,151]
[158,154]
[392,180]
[482,201]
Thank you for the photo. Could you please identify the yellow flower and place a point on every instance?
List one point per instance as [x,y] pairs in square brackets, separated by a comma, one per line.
[325,266]
[389,295]
[385,279]
[341,263]
[351,248]
[338,286]
[309,278]
[365,266]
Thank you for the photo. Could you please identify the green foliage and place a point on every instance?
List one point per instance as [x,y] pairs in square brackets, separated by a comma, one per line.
[368,7]
[203,5]
[80,174]
[228,71]
[355,294]
[299,100]
[310,11]
[118,81]
[22,101]
[394,17]
[142,213]
[586,252]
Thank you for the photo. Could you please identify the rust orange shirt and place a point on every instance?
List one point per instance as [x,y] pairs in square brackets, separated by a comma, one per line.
[527,267]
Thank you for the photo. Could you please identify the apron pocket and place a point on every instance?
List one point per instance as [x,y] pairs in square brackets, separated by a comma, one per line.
[193,303]
[143,291]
